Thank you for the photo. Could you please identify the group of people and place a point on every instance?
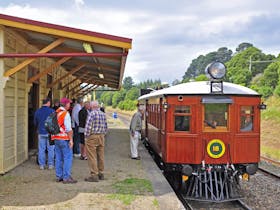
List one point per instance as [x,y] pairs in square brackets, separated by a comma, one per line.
[89,125]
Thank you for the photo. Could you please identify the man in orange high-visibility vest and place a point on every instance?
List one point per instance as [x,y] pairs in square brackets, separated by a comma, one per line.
[64,144]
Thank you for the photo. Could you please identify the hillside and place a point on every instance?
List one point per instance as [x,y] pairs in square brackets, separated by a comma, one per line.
[270,132]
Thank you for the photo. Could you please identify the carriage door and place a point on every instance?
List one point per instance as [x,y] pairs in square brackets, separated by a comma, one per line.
[216,131]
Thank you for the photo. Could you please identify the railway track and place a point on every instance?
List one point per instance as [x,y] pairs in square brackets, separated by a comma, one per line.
[269,172]
[240,204]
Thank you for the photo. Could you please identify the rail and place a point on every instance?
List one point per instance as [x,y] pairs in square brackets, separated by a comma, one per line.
[277,163]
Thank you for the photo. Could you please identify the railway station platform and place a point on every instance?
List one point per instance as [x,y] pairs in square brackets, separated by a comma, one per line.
[128,184]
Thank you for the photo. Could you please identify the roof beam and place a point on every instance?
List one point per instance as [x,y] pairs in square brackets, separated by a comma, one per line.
[30,60]
[89,90]
[49,69]
[74,80]
[77,68]
[77,91]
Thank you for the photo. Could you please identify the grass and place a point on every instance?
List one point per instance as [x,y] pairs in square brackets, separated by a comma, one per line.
[155,203]
[270,132]
[126,190]
[133,186]
[7,178]
[270,152]
[126,199]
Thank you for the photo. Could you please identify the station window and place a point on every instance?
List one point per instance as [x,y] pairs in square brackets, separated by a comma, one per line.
[182,115]
[215,117]
[246,118]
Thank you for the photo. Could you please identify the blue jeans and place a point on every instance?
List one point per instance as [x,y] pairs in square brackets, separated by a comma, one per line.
[63,159]
[44,145]
[76,139]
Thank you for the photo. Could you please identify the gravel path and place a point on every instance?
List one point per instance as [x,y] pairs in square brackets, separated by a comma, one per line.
[26,185]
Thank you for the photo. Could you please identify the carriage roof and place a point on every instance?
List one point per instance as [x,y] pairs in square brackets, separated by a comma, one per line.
[201,88]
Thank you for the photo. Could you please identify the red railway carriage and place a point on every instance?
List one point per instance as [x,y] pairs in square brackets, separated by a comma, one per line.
[206,134]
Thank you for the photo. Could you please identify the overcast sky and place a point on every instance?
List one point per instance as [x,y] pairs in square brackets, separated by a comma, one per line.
[167,34]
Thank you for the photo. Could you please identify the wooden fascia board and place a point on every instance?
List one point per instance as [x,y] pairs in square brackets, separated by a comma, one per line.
[62,31]
[122,71]
[30,60]
[77,68]
[48,69]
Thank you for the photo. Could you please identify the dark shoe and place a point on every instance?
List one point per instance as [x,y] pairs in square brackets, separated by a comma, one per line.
[92,179]
[136,158]
[70,180]
[59,179]
[101,176]
[82,158]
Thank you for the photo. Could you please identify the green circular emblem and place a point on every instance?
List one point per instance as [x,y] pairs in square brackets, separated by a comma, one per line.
[216,148]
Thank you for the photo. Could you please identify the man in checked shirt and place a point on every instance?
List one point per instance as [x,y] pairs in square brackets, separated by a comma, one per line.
[95,130]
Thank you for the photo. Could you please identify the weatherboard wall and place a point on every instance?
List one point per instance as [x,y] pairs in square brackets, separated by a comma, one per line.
[14,98]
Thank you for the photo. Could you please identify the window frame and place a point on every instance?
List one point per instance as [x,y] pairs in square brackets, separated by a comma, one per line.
[189,114]
[217,128]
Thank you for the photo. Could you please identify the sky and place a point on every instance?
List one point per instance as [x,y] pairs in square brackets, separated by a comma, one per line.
[167,34]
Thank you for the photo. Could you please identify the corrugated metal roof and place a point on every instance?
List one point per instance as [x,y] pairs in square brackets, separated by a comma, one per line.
[200,88]
[42,34]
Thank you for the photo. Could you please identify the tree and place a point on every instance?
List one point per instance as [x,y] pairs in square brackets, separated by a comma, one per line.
[132,94]
[127,83]
[243,46]
[238,70]
[116,99]
[199,64]
[175,82]
[201,77]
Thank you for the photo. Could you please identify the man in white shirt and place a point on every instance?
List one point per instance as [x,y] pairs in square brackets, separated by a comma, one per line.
[75,120]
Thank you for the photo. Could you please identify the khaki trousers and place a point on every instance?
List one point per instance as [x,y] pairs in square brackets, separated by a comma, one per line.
[95,153]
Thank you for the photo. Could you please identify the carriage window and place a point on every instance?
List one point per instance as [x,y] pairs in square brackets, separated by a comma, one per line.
[216,116]
[246,118]
[182,118]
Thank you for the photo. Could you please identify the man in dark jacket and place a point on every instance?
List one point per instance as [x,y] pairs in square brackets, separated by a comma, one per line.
[41,115]
[83,113]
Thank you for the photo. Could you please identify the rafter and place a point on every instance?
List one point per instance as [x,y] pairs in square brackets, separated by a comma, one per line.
[72,81]
[77,68]
[30,60]
[48,69]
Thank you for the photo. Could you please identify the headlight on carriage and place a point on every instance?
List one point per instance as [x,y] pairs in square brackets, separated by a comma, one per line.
[216,70]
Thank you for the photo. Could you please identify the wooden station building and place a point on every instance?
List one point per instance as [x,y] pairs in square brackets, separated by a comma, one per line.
[39,60]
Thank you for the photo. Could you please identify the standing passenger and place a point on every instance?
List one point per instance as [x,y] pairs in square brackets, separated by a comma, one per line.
[95,130]
[83,113]
[75,120]
[64,144]
[135,132]
[43,136]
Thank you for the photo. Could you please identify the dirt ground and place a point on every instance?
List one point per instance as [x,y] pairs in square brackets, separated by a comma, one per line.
[27,187]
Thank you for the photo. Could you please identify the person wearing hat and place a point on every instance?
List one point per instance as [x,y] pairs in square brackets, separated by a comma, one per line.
[135,132]
[64,144]
[40,116]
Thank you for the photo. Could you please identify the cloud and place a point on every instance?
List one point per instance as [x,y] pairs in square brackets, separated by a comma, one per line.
[166,36]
